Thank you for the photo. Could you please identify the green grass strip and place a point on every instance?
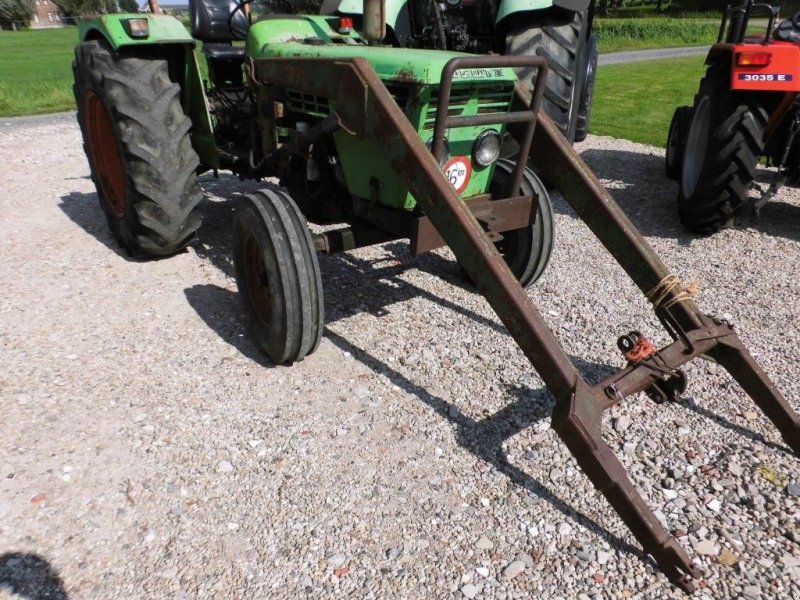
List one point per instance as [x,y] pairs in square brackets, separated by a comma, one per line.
[636,101]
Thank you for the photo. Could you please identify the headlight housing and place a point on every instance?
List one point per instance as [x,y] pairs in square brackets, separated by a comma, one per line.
[446,155]
[486,148]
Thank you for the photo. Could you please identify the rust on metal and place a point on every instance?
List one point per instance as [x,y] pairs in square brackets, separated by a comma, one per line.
[495,216]
[366,108]
[105,155]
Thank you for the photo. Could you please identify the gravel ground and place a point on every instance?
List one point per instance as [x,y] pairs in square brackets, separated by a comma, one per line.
[147,450]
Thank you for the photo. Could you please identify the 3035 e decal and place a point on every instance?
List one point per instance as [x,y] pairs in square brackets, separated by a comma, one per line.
[765,77]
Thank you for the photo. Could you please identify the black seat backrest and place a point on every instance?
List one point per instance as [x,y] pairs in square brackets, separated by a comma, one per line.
[209,20]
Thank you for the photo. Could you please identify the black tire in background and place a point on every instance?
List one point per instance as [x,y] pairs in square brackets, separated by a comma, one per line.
[278,275]
[136,138]
[676,141]
[560,37]
[723,145]
[527,250]
[587,90]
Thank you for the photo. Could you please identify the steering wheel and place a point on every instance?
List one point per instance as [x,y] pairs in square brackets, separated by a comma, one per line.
[237,30]
[789,30]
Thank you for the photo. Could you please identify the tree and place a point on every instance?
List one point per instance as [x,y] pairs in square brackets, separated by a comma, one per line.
[130,6]
[79,8]
[18,13]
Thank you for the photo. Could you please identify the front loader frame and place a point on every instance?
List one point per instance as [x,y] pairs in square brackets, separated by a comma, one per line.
[367,109]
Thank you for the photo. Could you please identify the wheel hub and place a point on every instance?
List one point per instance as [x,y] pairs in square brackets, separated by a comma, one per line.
[105,156]
[256,280]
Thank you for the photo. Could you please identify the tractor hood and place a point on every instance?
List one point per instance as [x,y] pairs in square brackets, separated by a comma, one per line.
[317,37]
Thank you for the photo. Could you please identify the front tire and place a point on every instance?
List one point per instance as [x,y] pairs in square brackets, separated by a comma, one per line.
[724,143]
[136,138]
[562,41]
[676,141]
[278,275]
[526,250]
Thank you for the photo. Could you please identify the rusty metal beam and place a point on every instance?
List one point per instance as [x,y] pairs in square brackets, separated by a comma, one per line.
[366,108]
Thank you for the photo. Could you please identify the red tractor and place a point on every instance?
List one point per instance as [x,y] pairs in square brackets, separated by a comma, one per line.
[747,107]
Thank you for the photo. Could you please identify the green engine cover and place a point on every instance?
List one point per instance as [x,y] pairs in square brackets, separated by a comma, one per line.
[411,76]
[163,29]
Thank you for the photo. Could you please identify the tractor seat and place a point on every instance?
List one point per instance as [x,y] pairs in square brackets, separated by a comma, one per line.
[223,52]
[209,21]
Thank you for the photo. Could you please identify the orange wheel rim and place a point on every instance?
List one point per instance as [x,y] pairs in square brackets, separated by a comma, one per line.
[104,154]
[255,276]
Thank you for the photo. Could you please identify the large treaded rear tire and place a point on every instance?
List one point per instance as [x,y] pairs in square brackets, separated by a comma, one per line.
[561,41]
[587,90]
[136,138]
[278,275]
[724,143]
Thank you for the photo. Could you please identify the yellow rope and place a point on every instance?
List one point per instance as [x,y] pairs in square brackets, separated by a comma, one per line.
[669,286]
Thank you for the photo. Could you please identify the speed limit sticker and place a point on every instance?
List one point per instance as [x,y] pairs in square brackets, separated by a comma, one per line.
[458,171]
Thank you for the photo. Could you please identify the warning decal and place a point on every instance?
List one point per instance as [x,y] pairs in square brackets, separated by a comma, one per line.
[458,171]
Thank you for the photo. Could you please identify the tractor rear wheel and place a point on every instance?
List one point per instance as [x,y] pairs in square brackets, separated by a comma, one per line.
[587,90]
[563,42]
[526,250]
[278,275]
[676,141]
[136,138]
[723,145]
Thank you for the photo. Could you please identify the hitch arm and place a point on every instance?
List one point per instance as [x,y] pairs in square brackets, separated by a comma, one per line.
[366,108]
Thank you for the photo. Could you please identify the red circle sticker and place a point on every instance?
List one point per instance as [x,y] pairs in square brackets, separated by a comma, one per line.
[458,170]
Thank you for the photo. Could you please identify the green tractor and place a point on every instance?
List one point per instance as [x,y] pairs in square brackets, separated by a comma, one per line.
[388,143]
[151,124]
[558,30]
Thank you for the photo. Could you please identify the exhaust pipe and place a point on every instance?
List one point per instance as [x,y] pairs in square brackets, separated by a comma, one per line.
[374,21]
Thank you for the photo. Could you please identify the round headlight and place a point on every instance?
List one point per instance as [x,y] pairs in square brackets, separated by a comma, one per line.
[446,155]
[486,148]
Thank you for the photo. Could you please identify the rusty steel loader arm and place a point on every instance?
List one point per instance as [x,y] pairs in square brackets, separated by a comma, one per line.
[364,107]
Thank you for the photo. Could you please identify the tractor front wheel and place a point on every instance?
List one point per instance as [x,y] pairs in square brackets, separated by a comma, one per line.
[278,275]
[723,145]
[136,138]
[526,250]
[676,141]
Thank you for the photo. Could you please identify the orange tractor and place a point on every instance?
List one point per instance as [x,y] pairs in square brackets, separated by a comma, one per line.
[747,108]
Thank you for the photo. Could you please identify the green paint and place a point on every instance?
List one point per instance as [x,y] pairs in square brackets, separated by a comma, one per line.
[412,76]
[510,7]
[395,7]
[163,30]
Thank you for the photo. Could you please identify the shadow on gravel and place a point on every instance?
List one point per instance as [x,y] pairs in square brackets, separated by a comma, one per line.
[221,310]
[485,438]
[654,210]
[743,431]
[84,210]
[371,287]
[371,290]
[30,576]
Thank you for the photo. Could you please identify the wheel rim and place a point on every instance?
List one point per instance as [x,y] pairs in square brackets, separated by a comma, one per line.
[256,281]
[695,151]
[104,154]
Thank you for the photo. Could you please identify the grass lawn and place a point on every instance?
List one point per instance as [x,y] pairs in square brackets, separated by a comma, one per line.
[36,71]
[633,101]
[636,101]
[615,35]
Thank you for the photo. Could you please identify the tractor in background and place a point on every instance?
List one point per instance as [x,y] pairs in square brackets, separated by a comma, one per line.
[558,30]
[747,109]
